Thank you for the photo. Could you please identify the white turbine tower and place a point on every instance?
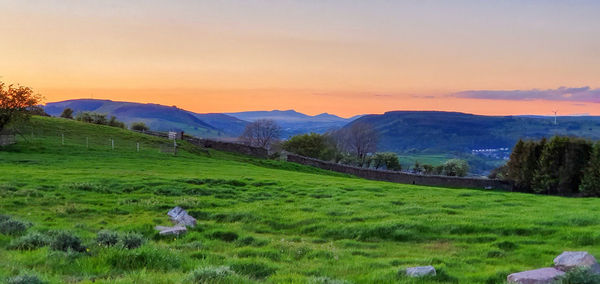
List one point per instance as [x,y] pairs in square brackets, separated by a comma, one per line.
[555,112]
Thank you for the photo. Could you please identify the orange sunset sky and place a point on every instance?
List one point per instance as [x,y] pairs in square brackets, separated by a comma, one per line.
[340,57]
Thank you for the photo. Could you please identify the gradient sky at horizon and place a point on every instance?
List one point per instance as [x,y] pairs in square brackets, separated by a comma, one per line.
[341,57]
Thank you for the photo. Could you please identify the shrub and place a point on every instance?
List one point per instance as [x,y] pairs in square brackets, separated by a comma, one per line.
[139,126]
[224,236]
[67,113]
[580,276]
[132,240]
[65,241]
[13,227]
[210,274]
[107,238]
[253,269]
[30,241]
[25,279]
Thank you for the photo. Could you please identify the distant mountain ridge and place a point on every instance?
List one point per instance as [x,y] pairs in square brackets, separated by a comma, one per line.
[294,123]
[214,125]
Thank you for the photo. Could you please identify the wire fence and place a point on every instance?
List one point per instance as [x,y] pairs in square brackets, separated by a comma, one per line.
[96,141]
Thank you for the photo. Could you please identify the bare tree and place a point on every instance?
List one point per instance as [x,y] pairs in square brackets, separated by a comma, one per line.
[359,139]
[261,133]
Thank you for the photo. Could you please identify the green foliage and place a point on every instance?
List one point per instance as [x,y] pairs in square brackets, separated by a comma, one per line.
[210,274]
[579,276]
[25,279]
[590,184]
[139,126]
[67,113]
[456,167]
[386,160]
[254,269]
[66,241]
[15,103]
[107,238]
[224,236]
[30,241]
[319,146]
[132,240]
[13,227]
[98,118]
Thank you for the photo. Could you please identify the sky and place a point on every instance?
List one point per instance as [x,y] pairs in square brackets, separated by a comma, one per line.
[314,56]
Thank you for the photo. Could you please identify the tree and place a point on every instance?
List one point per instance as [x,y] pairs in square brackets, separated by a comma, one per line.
[590,184]
[15,102]
[139,126]
[359,139]
[115,123]
[456,167]
[311,145]
[387,160]
[67,113]
[261,133]
[523,163]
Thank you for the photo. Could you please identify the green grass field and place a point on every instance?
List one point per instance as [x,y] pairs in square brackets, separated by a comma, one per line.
[265,220]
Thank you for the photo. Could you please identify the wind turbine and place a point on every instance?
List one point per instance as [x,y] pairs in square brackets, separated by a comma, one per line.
[555,112]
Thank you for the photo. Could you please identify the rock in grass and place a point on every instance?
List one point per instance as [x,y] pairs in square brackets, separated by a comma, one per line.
[421,271]
[176,230]
[181,217]
[537,276]
[569,260]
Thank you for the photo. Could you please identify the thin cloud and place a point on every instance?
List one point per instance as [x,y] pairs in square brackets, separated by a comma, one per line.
[582,94]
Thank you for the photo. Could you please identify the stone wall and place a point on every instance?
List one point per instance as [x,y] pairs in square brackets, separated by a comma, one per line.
[401,177]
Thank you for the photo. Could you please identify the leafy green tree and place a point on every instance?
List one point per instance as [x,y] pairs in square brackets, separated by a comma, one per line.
[311,145]
[523,163]
[67,113]
[561,164]
[139,126]
[456,167]
[386,160]
[115,123]
[590,184]
[15,103]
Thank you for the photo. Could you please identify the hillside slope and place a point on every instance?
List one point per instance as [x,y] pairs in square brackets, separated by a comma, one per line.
[157,117]
[267,221]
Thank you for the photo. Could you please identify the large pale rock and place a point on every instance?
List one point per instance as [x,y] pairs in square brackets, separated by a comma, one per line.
[181,217]
[538,276]
[572,259]
[175,230]
[420,271]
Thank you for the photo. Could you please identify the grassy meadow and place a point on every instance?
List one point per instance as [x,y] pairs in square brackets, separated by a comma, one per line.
[260,220]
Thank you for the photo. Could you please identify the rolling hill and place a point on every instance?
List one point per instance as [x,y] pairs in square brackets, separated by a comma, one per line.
[157,117]
[259,221]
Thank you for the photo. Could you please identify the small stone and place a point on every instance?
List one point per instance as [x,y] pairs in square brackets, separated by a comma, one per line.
[537,276]
[420,271]
[572,259]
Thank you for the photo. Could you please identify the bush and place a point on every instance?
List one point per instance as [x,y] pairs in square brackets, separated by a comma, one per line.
[107,238]
[580,276]
[456,167]
[387,160]
[139,126]
[132,240]
[13,227]
[253,269]
[67,113]
[65,241]
[25,279]
[30,241]
[210,274]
